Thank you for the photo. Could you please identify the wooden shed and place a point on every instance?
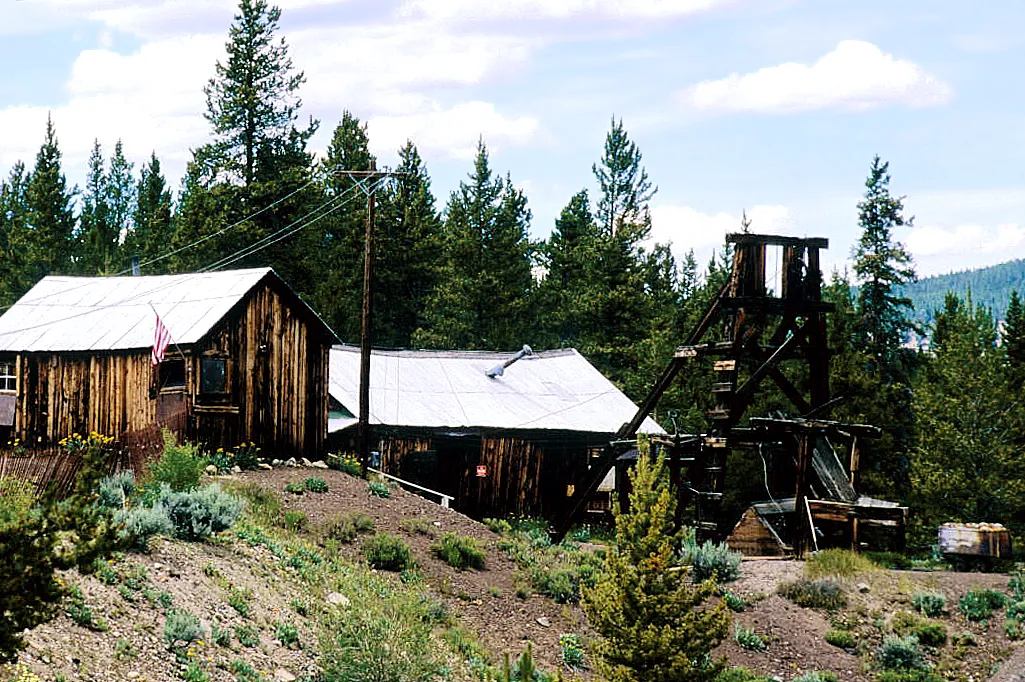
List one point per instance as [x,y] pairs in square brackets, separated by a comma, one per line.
[248,361]
[514,442]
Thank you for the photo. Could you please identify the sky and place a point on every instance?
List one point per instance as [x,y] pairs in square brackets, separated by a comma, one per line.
[773,107]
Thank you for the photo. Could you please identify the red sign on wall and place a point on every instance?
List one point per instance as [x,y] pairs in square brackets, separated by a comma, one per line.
[482,471]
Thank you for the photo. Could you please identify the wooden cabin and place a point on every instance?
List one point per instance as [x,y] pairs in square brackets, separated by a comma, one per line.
[515,442]
[248,361]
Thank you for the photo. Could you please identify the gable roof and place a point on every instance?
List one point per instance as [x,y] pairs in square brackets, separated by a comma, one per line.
[555,390]
[116,313]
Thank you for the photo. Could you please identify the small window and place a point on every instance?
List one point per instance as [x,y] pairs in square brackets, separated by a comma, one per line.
[8,377]
[213,376]
[172,374]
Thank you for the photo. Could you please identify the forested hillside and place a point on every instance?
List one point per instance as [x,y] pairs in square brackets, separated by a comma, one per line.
[990,287]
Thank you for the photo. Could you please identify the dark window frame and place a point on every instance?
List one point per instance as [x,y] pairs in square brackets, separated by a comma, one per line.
[220,388]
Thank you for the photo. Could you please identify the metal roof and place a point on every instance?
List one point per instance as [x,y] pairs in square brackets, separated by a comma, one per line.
[549,390]
[116,313]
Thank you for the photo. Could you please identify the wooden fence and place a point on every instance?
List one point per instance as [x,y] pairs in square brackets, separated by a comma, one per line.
[56,469]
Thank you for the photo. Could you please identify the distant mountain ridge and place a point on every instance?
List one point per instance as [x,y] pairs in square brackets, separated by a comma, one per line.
[990,287]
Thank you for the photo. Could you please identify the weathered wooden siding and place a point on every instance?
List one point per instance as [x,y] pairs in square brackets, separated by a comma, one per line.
[277,385]
[60,394]
[277,377]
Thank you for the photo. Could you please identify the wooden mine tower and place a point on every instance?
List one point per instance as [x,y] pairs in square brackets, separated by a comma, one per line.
[758,320]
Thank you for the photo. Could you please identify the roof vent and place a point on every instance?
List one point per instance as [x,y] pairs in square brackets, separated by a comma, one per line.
[499,370]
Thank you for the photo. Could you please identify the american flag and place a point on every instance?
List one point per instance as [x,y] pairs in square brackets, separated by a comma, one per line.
[161,338]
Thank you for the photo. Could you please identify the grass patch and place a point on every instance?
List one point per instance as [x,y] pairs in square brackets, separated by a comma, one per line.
[931,604]
[459,552]
[837,563]
[387,553]
[824,593]
[843,639]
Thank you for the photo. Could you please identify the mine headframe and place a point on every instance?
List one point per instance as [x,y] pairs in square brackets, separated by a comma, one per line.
[769,311]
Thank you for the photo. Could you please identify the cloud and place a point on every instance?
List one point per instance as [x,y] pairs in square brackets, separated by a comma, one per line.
[454,131]
[479,10]
[967,240]
[857,75]
[687,228]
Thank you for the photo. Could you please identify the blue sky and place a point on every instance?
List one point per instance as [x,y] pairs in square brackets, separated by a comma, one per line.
[775,107]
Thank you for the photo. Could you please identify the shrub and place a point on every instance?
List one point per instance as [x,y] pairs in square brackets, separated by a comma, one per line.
[712,559]
[459,552]
[139,524]
[890,560]
[347,462]
[571,651]
[979,605]
[841,638]
[909,676]
[900,653]
[315,484]
[345,527]
[180,467]
[295,488]
[295,520]
[931,634]
[387,552]
[748,638]
[839,563]
[181,626]
[262,504]
[499,526]
[200,513]
[930,604]
[378,489]
[1017,585]
[113,492]
[16,499]
[734,601]
[239,599]
[416,527]
[287,634]
[219,636]
[247,635]
[817,594]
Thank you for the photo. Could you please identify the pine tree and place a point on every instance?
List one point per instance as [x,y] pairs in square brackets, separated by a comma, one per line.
[571,253]
[93,220]
[121,201]
[409,252]
[50,217]
[339,236]
[252,101]
[13,235]
[624,185]
[151,223]
[655,625]
[1013,341]
[966,463]
[487,281]
[882,266]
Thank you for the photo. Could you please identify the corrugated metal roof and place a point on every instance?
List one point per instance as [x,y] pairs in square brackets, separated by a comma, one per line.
[549,390]
[116,313]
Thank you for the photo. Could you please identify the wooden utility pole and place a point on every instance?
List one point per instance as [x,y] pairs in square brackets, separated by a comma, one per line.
[366,315]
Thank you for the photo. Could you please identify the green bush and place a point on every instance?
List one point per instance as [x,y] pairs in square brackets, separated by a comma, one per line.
[930,604]
[16,499]
[295,520]
[181,626]
[734,601]
[416,527]
[295,488]
[841,638]
[931,634]
[287,634]
[239,599]
[1017,585]
[263,505]
[978,605]
[139,524]
[345,527]
[900,653]
[748,638]
[113,492]
[219,636]
[387,552]
[909,676]
[378,489]
[890,560]
[817,594]
[712,559]
[499,526]
[315,484]
[347,462]
[571,651]
[459,552]
[247,635]
[199,513]
[180,467]
[839,563]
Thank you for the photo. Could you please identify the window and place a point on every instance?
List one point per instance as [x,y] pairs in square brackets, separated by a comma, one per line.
[213,376]
[8,376]
[172,374]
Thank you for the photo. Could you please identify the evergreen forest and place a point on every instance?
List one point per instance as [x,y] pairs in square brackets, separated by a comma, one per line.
[461,272]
